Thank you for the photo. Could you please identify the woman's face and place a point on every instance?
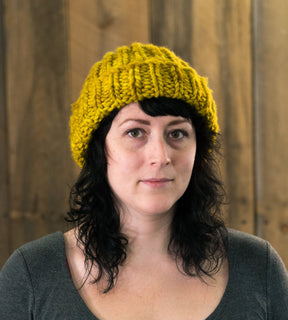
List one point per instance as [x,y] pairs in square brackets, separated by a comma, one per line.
[149,160]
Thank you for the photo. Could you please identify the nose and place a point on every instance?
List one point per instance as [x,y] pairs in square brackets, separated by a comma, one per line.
[158,152]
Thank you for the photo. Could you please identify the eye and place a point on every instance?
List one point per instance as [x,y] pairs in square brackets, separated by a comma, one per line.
[178,134]
[135,133]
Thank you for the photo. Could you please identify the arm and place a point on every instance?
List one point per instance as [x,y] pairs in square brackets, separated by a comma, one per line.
[277,287]
[16,292]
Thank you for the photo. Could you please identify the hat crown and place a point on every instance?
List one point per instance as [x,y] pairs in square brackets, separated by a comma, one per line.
[129,75]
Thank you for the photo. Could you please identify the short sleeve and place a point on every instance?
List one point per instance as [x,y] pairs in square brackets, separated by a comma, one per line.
[277,286]
[16,293]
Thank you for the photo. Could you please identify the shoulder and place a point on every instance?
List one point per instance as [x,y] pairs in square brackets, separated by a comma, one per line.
[251,254]
[248,254]
[52,244]
[46,253]
[30,270]
[249,250]
[258,272]
[245,243]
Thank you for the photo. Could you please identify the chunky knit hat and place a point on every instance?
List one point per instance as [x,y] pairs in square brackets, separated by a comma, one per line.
[131,74]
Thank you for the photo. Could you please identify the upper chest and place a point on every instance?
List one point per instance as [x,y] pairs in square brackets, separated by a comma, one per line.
[149,297]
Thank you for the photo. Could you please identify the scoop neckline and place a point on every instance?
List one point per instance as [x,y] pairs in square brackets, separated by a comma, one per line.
[213,316]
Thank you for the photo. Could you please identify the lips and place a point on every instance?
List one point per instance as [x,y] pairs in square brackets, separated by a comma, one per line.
[157,182]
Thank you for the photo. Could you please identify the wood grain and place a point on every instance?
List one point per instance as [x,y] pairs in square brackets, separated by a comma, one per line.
[234,89]
[37,108]
[4,176]
[171,25]
[47,49]
[271,95]
[100,26]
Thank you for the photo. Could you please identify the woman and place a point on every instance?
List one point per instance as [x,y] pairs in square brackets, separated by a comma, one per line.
[148,241]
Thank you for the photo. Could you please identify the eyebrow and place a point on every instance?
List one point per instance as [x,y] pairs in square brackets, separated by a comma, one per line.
[179,121]
[142,121]
[146,122]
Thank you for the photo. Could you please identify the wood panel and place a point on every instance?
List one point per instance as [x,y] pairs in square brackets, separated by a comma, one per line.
[233,89]
[37,111]
[4,177]
[47,49]
[97,26]
[172,28]
[271,96]
[215,37]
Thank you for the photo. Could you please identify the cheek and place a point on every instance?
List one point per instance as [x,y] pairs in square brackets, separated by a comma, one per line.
[120,165]
[122,175]
[185,167]
[187,159]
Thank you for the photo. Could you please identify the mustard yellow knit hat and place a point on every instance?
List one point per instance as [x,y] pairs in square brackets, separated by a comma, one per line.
[131,74]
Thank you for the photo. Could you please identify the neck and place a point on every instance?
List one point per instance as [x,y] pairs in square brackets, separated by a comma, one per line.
[148,234]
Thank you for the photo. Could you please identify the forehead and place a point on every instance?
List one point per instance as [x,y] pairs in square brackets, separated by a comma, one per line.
[130,109]
[133,111]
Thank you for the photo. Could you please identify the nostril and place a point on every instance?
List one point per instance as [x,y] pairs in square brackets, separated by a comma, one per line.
[161,161]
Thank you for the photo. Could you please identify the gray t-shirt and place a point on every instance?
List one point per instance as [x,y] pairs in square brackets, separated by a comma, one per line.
[35,283]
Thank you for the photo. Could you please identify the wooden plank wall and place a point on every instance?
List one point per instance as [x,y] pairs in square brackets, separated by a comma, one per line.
[47,49]
[271,117]
[4,175]
[36,96]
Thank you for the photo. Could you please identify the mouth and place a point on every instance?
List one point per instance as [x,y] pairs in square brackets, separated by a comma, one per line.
[156,182]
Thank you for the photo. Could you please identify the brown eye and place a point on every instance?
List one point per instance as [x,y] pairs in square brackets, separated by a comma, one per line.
[135,133]
[177,134]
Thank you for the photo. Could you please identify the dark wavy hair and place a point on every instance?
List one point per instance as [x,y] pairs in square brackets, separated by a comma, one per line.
[198,240]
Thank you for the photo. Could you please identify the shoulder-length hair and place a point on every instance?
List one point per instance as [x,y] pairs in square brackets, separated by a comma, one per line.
[198,234]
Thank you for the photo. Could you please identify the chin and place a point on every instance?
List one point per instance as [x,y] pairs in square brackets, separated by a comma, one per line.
[159,204]
[158,210]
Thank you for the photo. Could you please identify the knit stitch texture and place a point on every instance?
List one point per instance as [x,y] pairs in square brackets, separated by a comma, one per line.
[129,75]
